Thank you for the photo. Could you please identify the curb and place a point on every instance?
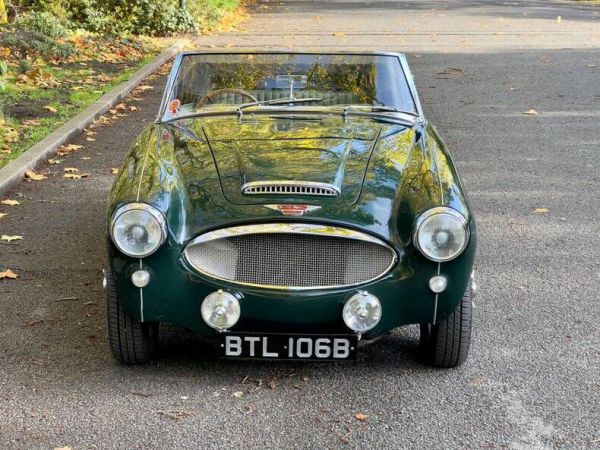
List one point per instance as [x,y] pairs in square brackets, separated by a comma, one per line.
[12,174]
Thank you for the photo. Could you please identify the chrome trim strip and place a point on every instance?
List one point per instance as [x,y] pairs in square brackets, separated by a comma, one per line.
[432,212]
[290,187]
[289,228]
[150,210]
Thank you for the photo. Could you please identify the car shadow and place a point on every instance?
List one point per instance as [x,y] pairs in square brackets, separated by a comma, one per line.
[183,349]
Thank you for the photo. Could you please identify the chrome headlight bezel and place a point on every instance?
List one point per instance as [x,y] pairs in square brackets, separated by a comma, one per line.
[430,213]
[154,213]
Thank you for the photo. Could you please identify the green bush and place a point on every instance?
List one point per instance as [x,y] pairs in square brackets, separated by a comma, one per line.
[42,22]
[32,44]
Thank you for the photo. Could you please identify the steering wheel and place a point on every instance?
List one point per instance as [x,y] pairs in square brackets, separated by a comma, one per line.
[208,97]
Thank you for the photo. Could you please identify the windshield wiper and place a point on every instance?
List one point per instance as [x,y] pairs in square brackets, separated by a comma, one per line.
[277,101]
[350,109]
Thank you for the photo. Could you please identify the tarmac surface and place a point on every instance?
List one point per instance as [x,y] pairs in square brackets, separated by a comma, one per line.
[533,376]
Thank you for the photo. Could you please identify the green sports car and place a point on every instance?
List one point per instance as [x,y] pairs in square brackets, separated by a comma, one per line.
[289,206]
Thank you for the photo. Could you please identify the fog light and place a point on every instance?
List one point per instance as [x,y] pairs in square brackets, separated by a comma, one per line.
[362,312]
[220,310]
[140,278]
[438,284]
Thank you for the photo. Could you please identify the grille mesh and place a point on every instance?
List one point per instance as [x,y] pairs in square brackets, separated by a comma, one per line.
[291,260]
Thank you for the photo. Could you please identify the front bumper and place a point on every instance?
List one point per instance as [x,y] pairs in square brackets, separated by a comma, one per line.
[175,293]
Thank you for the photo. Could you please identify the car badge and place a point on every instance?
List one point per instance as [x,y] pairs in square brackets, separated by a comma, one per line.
[293,210]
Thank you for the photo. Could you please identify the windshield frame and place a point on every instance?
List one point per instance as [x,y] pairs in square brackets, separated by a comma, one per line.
[163,117]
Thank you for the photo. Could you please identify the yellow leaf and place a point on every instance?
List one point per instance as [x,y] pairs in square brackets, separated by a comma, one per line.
[71,169]
[3,215]
[531,112]
[541,210]
[339,34]
[134,108]
[76,176]
[89,139]
[54,161]
[144,87]
[362,417]
[8,274]
[31,175]
[9,238]
[114,171]
[9,202]
[52,109]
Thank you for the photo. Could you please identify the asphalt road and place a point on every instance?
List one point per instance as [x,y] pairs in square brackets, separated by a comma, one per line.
[533,378]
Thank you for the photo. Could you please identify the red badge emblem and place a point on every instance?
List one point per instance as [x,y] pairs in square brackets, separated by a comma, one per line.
[293,210]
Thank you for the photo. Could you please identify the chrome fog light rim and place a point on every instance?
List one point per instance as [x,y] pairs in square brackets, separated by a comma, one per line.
[220,310]
[362,312]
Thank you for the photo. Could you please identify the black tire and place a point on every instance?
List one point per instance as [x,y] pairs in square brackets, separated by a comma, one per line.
[446,344]
[131,342]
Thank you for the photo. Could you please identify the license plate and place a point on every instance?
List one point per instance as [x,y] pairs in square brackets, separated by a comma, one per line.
[288,346]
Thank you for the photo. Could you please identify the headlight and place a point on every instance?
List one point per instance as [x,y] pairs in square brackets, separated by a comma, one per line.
[138,229]
[441,234]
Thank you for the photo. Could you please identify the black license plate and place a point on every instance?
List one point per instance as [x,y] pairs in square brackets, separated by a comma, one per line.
[288,346]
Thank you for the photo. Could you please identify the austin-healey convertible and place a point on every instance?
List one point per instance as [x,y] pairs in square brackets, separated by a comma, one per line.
[290,206]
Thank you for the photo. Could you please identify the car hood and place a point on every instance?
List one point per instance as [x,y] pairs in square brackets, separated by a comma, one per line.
[361,157]
[314,150]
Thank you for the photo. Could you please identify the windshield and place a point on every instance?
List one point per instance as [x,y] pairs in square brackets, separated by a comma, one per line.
[223,82]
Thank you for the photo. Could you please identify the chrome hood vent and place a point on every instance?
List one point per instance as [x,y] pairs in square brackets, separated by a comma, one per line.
[290,187]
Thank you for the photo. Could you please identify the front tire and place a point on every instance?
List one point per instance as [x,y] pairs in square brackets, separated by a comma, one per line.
[447,343]
[131,342]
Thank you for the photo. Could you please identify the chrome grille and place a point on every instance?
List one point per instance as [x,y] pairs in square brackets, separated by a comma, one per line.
[283,256]
[290,187]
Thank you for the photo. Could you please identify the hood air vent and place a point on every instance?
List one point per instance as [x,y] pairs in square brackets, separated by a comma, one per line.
[290,187]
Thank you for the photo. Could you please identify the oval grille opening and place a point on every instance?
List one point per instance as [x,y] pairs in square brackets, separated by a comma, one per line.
[291,260]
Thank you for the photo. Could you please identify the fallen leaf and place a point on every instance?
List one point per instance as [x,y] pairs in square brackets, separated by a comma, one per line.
[8,274]
[339,34]
[54,161]
[52,109]
[531,112]
[89,139]
[362,417]
[114,171]
[541,210]
[62,448]
[31,175]
[558,19]
[3,215]
[31,123]
[71,170]
[144,87]
[238,394]
[86,158]
[134,108]
[76,176]
[452,71]
[9,202]
[9,238]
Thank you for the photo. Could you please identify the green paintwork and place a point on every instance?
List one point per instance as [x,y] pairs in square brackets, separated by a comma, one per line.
[192,170]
